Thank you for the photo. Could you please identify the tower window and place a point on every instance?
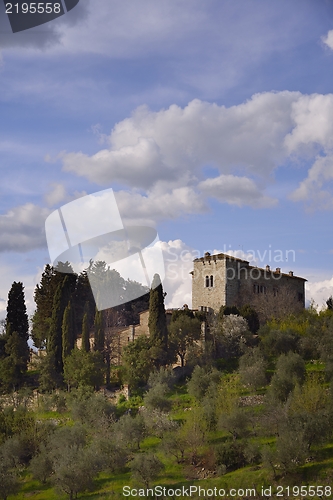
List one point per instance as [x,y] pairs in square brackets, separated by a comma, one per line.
[211,281]
[207,281]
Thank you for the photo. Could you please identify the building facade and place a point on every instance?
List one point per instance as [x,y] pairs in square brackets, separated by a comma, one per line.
[223,280]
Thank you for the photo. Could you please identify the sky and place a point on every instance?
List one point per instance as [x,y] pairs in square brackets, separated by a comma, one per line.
[211,120]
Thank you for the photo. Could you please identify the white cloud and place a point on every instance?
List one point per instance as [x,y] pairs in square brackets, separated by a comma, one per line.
[158,204]
[56,194]
[160,152]
[177,141]
[22,228]
[178,259]
[328,39]
[313,125]
[319,291]
[311,189]
[237,191]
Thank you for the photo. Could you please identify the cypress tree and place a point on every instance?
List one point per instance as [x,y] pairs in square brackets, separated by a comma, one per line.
[60,302]
[99,343]
[44,297]
[157,319]
[17,318]
[85,333]
[17,331]
[67,332]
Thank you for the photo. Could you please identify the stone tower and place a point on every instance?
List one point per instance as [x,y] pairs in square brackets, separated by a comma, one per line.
[225,280]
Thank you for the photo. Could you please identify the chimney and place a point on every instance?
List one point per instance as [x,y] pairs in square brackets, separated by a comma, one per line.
[268,268]
[291,273]
[278,270]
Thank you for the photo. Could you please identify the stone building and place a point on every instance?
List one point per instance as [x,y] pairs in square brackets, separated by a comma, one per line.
[226,280]
[116,338]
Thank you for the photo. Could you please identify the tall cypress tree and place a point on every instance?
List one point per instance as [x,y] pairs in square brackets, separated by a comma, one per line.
[85,332]
[157,319]
[17,334]
[99,343]
[44,296]
[67,332]
[54,346]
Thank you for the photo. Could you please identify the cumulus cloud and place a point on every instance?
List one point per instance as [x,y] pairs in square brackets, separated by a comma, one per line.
[319,291]
[237,191]
[328,39]
[22,228]
[171,143]
[315,190]
[163,153]
[178,260]
[56,194]
[158,204]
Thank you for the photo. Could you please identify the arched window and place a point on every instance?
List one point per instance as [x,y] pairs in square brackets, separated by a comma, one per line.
[211,281]
[207,281]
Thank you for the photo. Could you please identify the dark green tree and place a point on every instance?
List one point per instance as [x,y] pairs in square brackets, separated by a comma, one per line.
[99,343]
[85,333]
[145,468]
[84,369]
[16,337]
[184,332]
[251,317]
[67,328]
[60,303]
[17,318]
[329,303]
[137,361]
[44,297]
[157,321]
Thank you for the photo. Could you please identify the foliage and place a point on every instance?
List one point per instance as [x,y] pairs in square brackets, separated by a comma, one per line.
[145,467]
[200,381]
[252,368]
[277,342]
[44,298]
[131,431]
[231,454]
[157,320]
[99,328]
[185,331]
[234,335]
[68,339]
[85,333]
[251,316]
[137,361]
[165,375]
[84,369]
[290,370]
[54,344]
[155,398]
[16,355]
[236,422]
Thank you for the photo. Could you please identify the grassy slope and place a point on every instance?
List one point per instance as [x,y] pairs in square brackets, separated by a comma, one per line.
[316,472]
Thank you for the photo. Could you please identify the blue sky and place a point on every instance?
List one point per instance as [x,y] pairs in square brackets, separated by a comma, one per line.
[212,120]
